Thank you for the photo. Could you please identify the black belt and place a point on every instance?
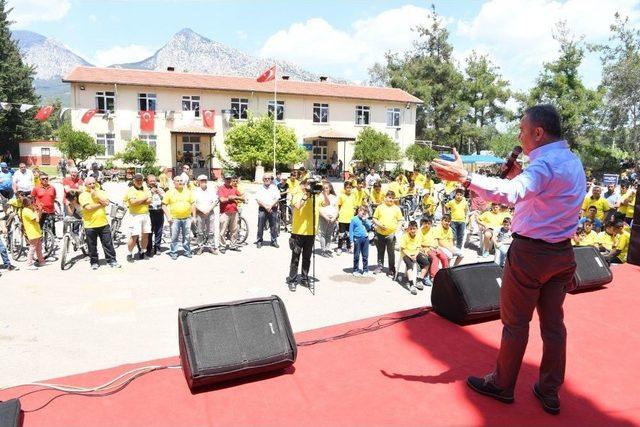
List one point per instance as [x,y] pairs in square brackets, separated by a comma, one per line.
[519,236]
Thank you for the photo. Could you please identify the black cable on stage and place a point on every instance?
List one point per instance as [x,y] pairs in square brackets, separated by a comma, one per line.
[383,322]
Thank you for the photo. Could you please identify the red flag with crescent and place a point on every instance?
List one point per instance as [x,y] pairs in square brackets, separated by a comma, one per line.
[86,117]
[44,113]
[268,75]
[146,120]
[208,118]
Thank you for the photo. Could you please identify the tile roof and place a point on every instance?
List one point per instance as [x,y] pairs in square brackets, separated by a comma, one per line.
[330,133]
[193,128]
[206,81]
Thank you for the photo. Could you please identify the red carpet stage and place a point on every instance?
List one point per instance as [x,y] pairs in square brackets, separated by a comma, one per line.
[411,373]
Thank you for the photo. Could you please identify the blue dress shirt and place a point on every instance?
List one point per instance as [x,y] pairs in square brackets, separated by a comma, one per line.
[547,195]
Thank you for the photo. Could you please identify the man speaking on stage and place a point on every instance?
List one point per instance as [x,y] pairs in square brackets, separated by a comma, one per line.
[540,263]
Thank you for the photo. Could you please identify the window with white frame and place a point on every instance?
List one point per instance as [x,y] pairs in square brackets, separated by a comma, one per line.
[239,107]
[191,103]
[280,115]
[393,117]
[105,101]
[320,150]
[108,141]
[150,140]
[362,114]
[147,101]
[320,113]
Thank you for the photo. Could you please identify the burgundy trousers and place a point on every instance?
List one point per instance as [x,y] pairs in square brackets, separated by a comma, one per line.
[536,276]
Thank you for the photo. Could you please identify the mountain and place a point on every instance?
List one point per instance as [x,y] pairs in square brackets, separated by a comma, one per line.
[191,52]
[51,60]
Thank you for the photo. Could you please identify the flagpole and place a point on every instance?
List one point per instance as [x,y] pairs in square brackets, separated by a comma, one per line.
[275,114]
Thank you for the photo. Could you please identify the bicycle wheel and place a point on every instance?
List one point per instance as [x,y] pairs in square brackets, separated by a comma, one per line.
[66,248]
[16,241]
[243,231]
[48,242]
[82,239]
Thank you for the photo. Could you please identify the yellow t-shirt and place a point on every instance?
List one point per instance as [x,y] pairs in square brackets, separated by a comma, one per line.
[590,239]
[419,180]
[606,240]
[602,205]
[95,218]
[377,197]
[362,195]
[389,217]
[492,220]
[301,221]
[399,189]
[443,236]
[294,186]
[133,193]
[347,207]
[458,210]
[623,245]
[428,184]
[630,207]
[410,245]
[429,205]
[179,202]
[428,238]
[449,186]
[30,223]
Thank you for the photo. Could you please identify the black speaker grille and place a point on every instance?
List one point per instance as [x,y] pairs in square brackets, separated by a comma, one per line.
[479,285]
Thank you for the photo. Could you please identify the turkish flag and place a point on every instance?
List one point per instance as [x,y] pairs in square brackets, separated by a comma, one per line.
[207,118]
[44,113]
[268,75]
[86,117]
[146,120]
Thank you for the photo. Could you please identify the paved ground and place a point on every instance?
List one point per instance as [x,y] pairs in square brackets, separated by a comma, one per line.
[56,323]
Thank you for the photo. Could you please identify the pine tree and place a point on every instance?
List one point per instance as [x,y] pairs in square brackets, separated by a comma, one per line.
[16,86]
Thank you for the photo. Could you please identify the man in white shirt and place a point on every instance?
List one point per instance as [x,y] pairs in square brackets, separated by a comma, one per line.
[267,197]
[186,174]
[23,180]
[207,220]
[372,178]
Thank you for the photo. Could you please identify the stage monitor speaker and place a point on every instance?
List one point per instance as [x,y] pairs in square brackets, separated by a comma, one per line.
[467,293]
[220,342]
[10,413]
[592,270]
[633,256]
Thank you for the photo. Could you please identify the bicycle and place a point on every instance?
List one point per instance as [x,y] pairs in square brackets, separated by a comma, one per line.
[117,213]
[74,237]
[243,230]
[48,236]
[16,240]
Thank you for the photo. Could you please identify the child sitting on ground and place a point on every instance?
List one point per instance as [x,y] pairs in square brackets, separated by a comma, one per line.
[359,228]
[410,245]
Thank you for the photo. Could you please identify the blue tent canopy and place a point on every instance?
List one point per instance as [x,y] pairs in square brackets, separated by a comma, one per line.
[474,158]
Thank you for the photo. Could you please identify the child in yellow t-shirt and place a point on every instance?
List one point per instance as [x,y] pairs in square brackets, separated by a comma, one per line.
[347,203]
[30,217]
[428,203]
[410,252]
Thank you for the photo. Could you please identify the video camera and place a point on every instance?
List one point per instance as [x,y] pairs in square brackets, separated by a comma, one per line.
[314,185]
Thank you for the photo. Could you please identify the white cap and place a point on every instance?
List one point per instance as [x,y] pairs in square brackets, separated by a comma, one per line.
[202,178]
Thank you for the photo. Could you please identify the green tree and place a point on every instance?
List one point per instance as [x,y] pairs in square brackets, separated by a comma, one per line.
[485,93]
[420,154]
[621,84]
[501,144]
[16,87]
[76,145]
[374,148]
[560,84]
[599,158]
[252,141]
[429,73]
[137,153]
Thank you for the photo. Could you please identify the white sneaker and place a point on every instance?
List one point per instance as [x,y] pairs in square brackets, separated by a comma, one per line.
[356,274]
[367,274]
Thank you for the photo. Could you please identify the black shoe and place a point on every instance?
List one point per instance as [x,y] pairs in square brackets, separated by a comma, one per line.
[481,386]
[275,244]
[129,258]
[259,245]
[12,267]
[292,284]
[392,273]
[551,405]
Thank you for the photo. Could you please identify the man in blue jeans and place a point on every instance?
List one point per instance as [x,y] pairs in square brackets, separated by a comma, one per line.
[359,237]
[178,205]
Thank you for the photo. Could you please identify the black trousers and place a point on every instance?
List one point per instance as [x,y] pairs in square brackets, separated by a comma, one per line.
[386,243]
[300,245]
[104,233]
[157,222]
[271,217]
[44,217]
[343,235]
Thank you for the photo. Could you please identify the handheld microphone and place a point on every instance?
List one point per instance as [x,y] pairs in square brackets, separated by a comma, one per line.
[510,161]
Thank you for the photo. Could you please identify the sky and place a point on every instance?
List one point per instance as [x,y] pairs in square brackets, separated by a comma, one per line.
[336,38]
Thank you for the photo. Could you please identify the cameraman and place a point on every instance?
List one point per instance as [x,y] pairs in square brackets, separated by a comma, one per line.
[305,216]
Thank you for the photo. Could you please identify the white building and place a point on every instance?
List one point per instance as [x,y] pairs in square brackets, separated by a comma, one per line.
[326,117]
